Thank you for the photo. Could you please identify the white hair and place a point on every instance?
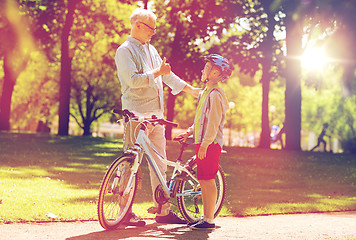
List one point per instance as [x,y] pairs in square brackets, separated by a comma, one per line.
[141,14]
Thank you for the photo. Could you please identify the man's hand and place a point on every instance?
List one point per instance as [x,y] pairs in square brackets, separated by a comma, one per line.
[165,68]
[192,90]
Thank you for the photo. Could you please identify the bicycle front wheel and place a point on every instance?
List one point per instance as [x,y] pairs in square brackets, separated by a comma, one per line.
[190,198]
[113,204]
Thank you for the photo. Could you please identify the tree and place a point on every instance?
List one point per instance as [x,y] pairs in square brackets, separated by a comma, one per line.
[267,47]
[46,20]
[96,34]
[65,74]
[94,94]
[338,19]
[294,29]
[35,97]
[297,12]
[16,46]
[32,29]
[252,44]
[334,88]
[183,26]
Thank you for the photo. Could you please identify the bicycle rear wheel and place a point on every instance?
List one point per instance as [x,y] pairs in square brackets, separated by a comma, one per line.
[113,204]
[191,205]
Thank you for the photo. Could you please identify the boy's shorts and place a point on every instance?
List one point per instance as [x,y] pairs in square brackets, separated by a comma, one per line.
[208,167]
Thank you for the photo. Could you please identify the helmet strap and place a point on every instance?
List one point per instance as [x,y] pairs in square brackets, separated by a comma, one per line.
[220,78]
[207,80]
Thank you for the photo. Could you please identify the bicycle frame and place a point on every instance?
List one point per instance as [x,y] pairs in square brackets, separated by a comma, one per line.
[141,146]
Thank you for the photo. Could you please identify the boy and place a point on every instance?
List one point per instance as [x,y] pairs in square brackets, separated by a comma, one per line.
[208,133]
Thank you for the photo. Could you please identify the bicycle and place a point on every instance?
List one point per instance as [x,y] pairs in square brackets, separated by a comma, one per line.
[119,185]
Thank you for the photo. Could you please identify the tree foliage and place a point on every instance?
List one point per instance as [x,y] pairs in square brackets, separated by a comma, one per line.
[16,46]
[95,87]
[247,32]
[183,26]
[33,28]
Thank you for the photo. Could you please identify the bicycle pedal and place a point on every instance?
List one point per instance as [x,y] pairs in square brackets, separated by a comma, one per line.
[152,210]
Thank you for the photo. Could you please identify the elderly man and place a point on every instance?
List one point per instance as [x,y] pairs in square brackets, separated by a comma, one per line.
[142,72]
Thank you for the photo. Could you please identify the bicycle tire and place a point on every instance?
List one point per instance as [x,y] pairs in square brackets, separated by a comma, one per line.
[112,205]
[191,206]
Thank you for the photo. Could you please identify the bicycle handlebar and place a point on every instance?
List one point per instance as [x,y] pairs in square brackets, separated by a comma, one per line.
[130,115]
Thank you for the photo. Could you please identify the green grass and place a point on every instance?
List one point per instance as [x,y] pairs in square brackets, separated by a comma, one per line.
[45,178]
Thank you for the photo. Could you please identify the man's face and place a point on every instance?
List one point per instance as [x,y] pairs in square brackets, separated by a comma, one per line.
[147,29]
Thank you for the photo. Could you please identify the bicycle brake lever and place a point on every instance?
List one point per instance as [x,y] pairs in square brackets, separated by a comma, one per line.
[179,139]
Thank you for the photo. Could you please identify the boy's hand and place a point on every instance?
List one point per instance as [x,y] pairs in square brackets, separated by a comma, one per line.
[202,152]
[192,90]
[184,136]
[195,91]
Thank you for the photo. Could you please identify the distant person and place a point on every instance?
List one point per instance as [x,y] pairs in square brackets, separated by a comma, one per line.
[276,135]
[321,137]
[274,131]
[279,136]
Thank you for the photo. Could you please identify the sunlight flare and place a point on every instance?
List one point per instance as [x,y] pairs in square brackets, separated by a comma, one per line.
[314,59]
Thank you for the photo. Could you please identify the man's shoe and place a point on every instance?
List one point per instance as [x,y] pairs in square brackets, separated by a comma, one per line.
[132,220]
[203,225]
[171,218]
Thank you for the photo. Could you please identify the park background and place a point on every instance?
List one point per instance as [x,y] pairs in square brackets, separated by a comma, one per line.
[57,64]
[294,63]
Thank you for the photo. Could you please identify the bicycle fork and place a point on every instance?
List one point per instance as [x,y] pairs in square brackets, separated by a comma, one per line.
[128,182]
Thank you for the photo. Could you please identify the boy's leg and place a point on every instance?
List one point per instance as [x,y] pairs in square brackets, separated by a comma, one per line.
[206,173]
[209,195]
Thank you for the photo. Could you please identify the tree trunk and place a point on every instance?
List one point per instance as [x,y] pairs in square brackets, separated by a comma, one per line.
[145,3]
[293,99]
[265,139]
[88,111]
[170,114]
[178,66]
[65,79]
[6,95]
[14,62]
[86,127]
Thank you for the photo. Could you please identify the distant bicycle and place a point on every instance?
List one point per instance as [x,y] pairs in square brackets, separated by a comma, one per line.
[119,185]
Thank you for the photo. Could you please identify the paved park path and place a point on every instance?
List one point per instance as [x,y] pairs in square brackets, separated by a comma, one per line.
[296,226]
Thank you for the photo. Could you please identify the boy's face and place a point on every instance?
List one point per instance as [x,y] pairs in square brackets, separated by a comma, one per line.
[214,73]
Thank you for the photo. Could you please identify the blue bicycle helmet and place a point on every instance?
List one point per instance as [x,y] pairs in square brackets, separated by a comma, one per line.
[221,62]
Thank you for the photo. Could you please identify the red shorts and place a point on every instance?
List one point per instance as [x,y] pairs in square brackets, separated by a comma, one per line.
[208,167]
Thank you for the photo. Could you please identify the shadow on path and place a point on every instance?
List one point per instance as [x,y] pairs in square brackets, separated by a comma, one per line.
[150,231]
